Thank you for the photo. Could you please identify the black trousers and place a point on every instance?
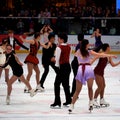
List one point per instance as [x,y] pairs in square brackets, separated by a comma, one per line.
[46,71]
[74,65]
[62,78]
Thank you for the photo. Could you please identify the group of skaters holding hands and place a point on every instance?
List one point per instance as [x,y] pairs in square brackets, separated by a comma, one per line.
[58,57]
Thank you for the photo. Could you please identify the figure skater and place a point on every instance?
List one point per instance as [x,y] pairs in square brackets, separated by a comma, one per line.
[32,61]
[62,61]
[3,59]
[45,31]
[98,42]
[99,76]
[74,63]
[16,66]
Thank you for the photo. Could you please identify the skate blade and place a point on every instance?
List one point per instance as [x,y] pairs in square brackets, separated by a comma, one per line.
[103,105]
[38,90]
[90,108]
[70,111]
[26,91]
[95,106]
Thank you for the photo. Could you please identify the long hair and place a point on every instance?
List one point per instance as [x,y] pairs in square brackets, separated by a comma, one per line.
[105,46]
[83,49]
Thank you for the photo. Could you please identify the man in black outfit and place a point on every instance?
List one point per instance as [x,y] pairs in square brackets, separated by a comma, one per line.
[47,55]
[12,40]
[74,63]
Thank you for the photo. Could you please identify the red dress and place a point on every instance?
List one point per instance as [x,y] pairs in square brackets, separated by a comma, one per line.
[99,69]
[32,56]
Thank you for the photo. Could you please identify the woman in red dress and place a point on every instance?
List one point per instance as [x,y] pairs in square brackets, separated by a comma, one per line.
[99,76]
[32,60]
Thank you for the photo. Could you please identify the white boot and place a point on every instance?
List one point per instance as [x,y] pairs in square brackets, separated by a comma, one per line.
[95,103]
[26,90]
[71,108]
[104,103]
[32,92]
[8,100]
[91,105]
[40,88]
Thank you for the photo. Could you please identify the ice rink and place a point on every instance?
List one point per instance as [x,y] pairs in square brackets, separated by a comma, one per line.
[24,107]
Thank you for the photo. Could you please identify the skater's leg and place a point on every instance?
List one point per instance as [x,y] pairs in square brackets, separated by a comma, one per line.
[37,71]
[90,93]
[75,96]
[6,74]
[9,84]
[32,92]
[9,88]
[30,70]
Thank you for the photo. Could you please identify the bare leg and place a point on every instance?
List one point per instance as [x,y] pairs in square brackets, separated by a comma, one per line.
[36,68]
[6,75]
[9,84]
[100,86]
[22,78]
[1,69]
[77,91]
[90,90]
[30,69]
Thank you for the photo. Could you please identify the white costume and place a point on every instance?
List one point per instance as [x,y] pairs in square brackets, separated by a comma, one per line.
[3,57]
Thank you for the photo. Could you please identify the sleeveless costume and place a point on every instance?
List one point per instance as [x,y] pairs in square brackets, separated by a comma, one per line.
[85,70]
[99,69]
[32,56]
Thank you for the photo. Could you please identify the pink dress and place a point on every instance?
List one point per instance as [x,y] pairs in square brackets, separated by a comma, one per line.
[85,71]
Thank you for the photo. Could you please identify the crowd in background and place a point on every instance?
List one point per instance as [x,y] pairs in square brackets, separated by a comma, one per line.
[64,19]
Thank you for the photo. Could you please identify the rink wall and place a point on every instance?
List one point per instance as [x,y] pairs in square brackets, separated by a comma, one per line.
[114,42]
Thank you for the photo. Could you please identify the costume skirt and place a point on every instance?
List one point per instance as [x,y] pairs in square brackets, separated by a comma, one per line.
[31,59]
[88,73]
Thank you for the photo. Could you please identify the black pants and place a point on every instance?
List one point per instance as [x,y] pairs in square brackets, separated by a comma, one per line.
[74,65]
[46,71]
[62,78]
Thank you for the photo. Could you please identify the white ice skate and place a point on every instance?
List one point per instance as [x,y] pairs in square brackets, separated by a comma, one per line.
[8,100]
[32,92]
[39,88]
[103,103]
[90,105]
[71,108]
[96,104]
[26,90]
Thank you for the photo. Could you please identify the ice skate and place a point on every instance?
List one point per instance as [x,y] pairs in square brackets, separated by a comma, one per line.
[39,88]
[32,92]
[103,103]
[8,100]
[71,108]
[26,90]
[90,105]
[96,104]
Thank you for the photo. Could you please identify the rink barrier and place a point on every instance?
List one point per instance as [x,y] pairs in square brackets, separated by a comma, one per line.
[113,41]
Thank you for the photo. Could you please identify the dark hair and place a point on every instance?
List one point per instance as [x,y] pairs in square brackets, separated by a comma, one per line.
[105,46]
[83,50]
[36,34]
[51,35]
[63,36]
[10,31]
[80,37]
